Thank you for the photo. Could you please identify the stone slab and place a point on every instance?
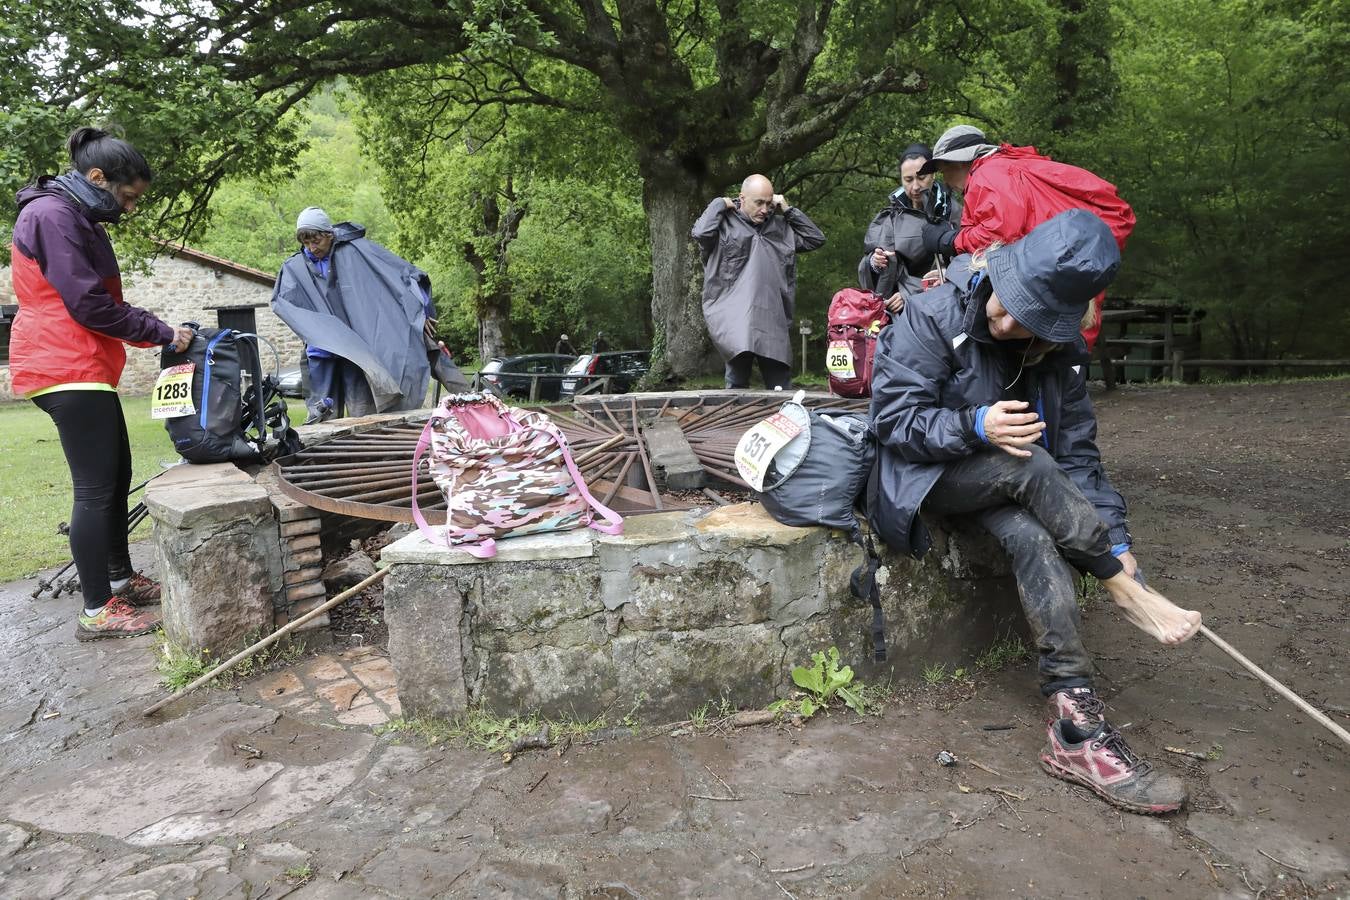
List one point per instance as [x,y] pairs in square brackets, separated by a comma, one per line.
[417,550]
[674,464]
[184,503]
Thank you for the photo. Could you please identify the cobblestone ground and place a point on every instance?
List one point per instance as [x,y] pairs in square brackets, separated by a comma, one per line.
[281,786]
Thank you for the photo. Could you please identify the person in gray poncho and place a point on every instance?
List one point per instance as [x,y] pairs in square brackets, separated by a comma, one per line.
[365,314]
[896,260]
[749,248]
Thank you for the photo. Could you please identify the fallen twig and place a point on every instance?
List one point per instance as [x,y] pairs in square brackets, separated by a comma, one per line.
[801,868]
[759,859]
[786,891]
[720,781]
[1006,793]
[1182,751]
[983,768]
[1279,861]
[721,799]
[530,789]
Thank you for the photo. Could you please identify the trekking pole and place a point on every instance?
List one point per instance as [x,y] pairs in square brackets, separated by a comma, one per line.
[267,641]
[1266,679]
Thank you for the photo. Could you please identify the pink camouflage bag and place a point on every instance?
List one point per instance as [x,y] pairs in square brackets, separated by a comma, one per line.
[504,472]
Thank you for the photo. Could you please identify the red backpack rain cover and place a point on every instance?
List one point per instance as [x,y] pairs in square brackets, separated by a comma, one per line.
[855,319]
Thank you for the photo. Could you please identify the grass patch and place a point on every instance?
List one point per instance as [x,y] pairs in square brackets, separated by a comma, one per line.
[35,490]
[178,668]
[299,875]
[935,674]
[1004,651]
[1089,589]
[482,730]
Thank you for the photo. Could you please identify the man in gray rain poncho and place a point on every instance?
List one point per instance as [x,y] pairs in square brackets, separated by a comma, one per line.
[365,316]
[749,248]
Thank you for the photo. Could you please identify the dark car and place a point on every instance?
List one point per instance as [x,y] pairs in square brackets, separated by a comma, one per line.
[290,383]
[624,368]
[507,376]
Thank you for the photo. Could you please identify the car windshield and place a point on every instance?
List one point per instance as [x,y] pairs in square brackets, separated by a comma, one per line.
[493,365]
[579,367]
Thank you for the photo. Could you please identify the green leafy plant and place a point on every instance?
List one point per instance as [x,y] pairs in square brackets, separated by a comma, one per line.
[178,668]
[824,680]
[1003,651]
[299,875]
[935,674]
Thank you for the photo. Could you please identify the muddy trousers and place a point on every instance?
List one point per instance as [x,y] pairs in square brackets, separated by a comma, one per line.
[93,435]
[776,374]
[1046,525]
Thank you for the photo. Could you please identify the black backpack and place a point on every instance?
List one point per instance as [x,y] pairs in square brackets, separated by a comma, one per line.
[233,413]
[817,479]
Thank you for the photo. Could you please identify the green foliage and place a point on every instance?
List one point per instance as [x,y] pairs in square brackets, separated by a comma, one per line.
[179,668]
[823,681]
[935,674]
[1007,649]
[254,216]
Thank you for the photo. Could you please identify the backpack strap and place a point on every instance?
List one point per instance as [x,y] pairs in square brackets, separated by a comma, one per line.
[613,523]
[863,585]
[483,549]
[207,365]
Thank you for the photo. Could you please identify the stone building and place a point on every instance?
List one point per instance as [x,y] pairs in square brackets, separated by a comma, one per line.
[184,285]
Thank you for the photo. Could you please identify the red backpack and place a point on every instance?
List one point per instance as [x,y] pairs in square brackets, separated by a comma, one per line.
[855,319]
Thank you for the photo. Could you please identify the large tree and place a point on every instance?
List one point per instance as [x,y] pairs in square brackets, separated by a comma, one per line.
[704,93]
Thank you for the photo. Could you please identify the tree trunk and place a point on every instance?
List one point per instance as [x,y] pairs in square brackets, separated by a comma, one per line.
[494,324]
[673,200]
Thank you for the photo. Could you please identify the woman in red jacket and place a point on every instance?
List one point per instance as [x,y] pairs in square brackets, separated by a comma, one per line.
[1010,190]
[66,356]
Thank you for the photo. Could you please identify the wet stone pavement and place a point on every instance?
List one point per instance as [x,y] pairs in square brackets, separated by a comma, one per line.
[281,786]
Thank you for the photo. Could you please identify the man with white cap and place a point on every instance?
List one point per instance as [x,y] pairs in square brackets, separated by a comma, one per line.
[982,415]
[365,315]
[1010,190]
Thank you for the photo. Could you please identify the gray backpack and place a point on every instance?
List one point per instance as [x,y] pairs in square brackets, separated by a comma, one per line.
[817,478]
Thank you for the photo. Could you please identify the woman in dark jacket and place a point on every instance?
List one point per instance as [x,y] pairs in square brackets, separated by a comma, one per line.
[66,356]
[979,401]
[896,260]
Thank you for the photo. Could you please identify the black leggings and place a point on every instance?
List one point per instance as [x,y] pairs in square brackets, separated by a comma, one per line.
[94,437]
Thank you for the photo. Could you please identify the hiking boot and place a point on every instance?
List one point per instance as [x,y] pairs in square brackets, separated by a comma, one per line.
[117,619]
[1101,761]
[1081,704]
[140,591]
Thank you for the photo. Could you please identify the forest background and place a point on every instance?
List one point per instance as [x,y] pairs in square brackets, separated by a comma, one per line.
[543,160]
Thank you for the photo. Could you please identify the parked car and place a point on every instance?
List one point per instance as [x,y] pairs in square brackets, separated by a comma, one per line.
[506,376]
[290,383]
[624,368]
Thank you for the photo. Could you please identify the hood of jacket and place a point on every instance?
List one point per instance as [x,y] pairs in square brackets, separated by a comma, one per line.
[93,202]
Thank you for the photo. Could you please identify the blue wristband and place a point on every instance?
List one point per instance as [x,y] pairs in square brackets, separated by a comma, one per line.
[1119,549]
[980,413]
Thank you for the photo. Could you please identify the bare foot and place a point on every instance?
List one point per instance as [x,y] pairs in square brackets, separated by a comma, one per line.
[1151,612]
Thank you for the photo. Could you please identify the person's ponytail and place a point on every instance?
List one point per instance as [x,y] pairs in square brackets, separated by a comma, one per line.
[94,148]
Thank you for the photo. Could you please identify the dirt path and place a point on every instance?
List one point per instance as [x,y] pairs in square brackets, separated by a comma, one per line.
[1239,508]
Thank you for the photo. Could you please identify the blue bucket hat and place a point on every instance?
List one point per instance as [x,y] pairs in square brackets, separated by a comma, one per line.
[1047,279]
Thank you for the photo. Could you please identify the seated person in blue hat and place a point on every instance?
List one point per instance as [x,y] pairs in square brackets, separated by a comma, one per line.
[980,405]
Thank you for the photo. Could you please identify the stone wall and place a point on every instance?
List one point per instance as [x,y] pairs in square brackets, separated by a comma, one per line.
[682,609]
[187,289]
